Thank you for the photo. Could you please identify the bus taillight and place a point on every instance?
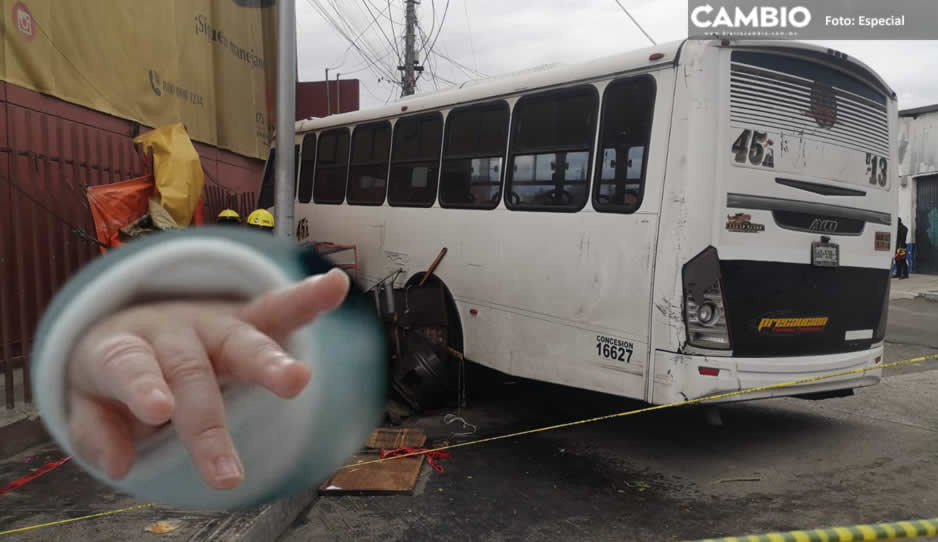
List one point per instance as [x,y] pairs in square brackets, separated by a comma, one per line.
[704,307]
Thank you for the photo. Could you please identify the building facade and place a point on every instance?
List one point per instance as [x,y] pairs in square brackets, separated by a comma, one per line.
[918,184]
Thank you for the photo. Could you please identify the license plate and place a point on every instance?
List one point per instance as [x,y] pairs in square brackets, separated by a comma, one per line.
[825,254]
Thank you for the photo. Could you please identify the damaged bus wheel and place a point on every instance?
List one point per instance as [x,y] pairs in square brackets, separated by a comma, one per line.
[425,335]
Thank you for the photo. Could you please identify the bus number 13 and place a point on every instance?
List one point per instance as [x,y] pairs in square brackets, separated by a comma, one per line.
[876,166]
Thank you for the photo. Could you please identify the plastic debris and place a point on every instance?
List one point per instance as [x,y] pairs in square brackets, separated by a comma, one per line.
[163,527]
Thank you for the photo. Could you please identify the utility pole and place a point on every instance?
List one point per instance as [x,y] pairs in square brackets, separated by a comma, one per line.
[285,172]
[328,101]
[410,67]
[338,93]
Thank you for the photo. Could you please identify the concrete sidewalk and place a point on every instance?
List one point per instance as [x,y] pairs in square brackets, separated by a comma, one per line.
[915,286]
[56,505]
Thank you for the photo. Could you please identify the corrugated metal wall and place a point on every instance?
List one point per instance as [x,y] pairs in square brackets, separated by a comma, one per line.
[49,152]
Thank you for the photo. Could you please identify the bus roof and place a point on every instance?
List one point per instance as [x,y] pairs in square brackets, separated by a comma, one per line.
[499,85]
[562,74]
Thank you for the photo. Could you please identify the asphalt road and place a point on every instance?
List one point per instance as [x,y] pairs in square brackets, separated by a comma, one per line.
[777,464]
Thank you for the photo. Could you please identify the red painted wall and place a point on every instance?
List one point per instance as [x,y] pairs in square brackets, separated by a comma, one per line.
[49,151]
[311,98]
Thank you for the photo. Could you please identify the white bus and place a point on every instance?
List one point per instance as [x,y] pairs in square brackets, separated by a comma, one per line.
[665,224]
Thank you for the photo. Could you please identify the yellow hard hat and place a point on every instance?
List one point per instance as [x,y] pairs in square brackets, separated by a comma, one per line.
[228,216]
[261,218]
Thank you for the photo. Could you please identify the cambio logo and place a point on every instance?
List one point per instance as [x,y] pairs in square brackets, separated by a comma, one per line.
[757,17]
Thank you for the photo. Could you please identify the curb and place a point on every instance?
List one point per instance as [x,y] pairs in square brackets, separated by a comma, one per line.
[930,296]
[262,524]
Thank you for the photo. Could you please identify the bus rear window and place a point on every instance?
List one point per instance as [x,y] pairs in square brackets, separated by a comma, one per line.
[552,140]
[624,134]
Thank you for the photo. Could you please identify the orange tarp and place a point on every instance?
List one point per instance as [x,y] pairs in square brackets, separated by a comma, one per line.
[118,205]
[115,206]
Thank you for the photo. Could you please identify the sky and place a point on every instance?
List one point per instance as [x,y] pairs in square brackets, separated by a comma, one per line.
[490,37]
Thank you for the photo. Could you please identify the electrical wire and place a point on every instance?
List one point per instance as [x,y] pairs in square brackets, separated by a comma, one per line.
[636,23]
[390,95]
[466,69]
[439,30]
[364,50]
[373,95]
[80,232]
[423,38]
[472,47]
[374,19]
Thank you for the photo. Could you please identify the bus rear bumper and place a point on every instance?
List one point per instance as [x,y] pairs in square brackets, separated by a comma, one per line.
[682,377]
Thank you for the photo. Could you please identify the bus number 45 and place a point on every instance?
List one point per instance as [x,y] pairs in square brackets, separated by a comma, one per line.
[754,146]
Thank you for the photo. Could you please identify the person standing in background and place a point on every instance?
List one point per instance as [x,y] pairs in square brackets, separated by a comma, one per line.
[902,266]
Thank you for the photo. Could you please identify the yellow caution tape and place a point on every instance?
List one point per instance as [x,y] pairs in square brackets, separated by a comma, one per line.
[699,400]
[901,530]
[72,520]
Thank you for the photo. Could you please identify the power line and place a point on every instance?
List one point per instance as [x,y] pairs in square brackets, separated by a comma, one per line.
[379,70]
[381,28]
[373,95]
[636,23]
[466,69]
[440,30]
[423,37]
[365,50]
[475,60]
[357,38]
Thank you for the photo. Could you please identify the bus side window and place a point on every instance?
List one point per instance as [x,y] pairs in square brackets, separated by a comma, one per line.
[368,172]
[473,156]
[415,160]
[305,189]
[552,140]
[265,199]
[331,166]
[624,133]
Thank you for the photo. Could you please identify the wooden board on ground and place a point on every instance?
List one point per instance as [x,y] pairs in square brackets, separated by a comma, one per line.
[389,439]
[397,476]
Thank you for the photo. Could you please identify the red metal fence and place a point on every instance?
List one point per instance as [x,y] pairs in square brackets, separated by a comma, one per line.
[49,152]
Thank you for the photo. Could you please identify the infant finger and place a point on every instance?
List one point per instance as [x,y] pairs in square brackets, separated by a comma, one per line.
[101,434]
[124,367]
[200,411]
[280,313]
[240,350]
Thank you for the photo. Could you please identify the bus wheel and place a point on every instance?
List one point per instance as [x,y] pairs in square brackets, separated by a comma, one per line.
[430,368]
